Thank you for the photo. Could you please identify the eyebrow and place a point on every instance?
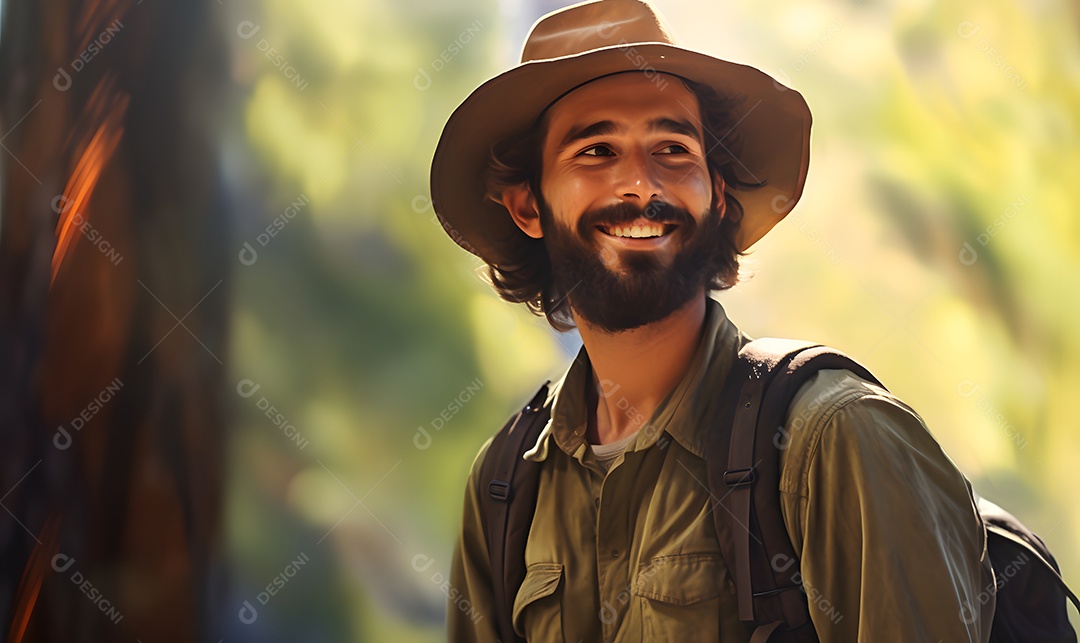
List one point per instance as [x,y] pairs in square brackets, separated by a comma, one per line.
[603,128]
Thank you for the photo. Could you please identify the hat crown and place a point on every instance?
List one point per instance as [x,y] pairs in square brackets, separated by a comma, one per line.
[593,25]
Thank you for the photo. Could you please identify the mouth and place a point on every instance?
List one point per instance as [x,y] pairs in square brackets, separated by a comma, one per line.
[639,229]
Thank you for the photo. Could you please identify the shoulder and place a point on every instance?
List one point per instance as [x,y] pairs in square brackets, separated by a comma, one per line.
[472,486]
[497,438]
[478,460]
[827,393]
[840,417]
[499,444]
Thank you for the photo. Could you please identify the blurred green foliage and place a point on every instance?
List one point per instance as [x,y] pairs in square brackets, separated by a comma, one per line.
[936,126]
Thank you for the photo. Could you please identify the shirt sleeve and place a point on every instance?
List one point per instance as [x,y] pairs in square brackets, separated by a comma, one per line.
[470,611]
[890,543]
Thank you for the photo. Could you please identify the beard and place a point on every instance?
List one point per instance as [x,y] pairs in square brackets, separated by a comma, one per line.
[620,290]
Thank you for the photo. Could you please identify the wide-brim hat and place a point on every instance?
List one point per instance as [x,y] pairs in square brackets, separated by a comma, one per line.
[572,46]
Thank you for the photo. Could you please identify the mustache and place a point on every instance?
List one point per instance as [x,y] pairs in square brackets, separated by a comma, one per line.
[625,213]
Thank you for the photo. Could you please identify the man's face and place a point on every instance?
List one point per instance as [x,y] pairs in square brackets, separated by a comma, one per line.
[627,203]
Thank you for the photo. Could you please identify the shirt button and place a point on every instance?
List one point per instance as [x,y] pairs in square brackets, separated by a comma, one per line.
[614,553]
[597,503]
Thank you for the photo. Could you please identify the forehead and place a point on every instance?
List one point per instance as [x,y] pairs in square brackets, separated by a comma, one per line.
[626,98]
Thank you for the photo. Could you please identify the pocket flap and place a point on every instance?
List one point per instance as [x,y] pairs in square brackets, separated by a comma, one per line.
[682,580]
[541,579]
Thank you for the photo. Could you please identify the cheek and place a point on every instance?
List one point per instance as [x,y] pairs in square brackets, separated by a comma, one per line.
[695,189]
[569,196]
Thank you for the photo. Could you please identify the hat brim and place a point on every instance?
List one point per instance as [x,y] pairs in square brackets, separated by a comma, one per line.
[773,125]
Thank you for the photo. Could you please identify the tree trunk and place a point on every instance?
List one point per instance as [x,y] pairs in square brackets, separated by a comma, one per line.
[113,288]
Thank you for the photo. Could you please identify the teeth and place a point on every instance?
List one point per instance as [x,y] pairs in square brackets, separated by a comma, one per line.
[637,231]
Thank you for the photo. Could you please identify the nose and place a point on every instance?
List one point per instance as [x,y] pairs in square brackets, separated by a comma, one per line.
[637,178]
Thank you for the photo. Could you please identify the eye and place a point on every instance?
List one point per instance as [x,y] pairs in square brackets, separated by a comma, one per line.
[603,148]
[679,149]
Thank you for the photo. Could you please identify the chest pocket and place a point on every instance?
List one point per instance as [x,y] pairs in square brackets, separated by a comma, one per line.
[537,614]
[680,597]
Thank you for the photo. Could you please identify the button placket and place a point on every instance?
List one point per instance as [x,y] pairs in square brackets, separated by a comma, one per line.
[611,559]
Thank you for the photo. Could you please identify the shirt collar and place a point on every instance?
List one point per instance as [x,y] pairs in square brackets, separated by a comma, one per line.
[684,414]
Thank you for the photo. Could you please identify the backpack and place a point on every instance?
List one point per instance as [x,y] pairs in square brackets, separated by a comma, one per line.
[1031,606]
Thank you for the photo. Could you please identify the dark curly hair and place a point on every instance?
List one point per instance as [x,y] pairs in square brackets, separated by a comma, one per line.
[516,160]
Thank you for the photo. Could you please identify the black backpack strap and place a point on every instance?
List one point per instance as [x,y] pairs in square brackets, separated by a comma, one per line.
[508,492]
[744,478]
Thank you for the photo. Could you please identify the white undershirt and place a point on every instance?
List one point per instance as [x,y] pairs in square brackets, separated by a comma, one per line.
[606,453]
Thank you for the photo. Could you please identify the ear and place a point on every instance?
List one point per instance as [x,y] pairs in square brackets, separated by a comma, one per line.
[520,202]
[719,201]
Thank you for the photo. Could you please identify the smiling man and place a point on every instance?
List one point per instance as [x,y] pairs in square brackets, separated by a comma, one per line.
[634,260]
[610,182]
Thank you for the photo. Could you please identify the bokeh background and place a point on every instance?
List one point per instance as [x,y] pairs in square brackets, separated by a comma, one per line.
[365,361]
[937,242]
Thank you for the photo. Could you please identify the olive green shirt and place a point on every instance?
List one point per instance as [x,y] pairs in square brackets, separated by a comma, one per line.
[890,545]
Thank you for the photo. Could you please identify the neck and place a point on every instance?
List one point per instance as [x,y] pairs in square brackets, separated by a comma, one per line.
[633,371]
